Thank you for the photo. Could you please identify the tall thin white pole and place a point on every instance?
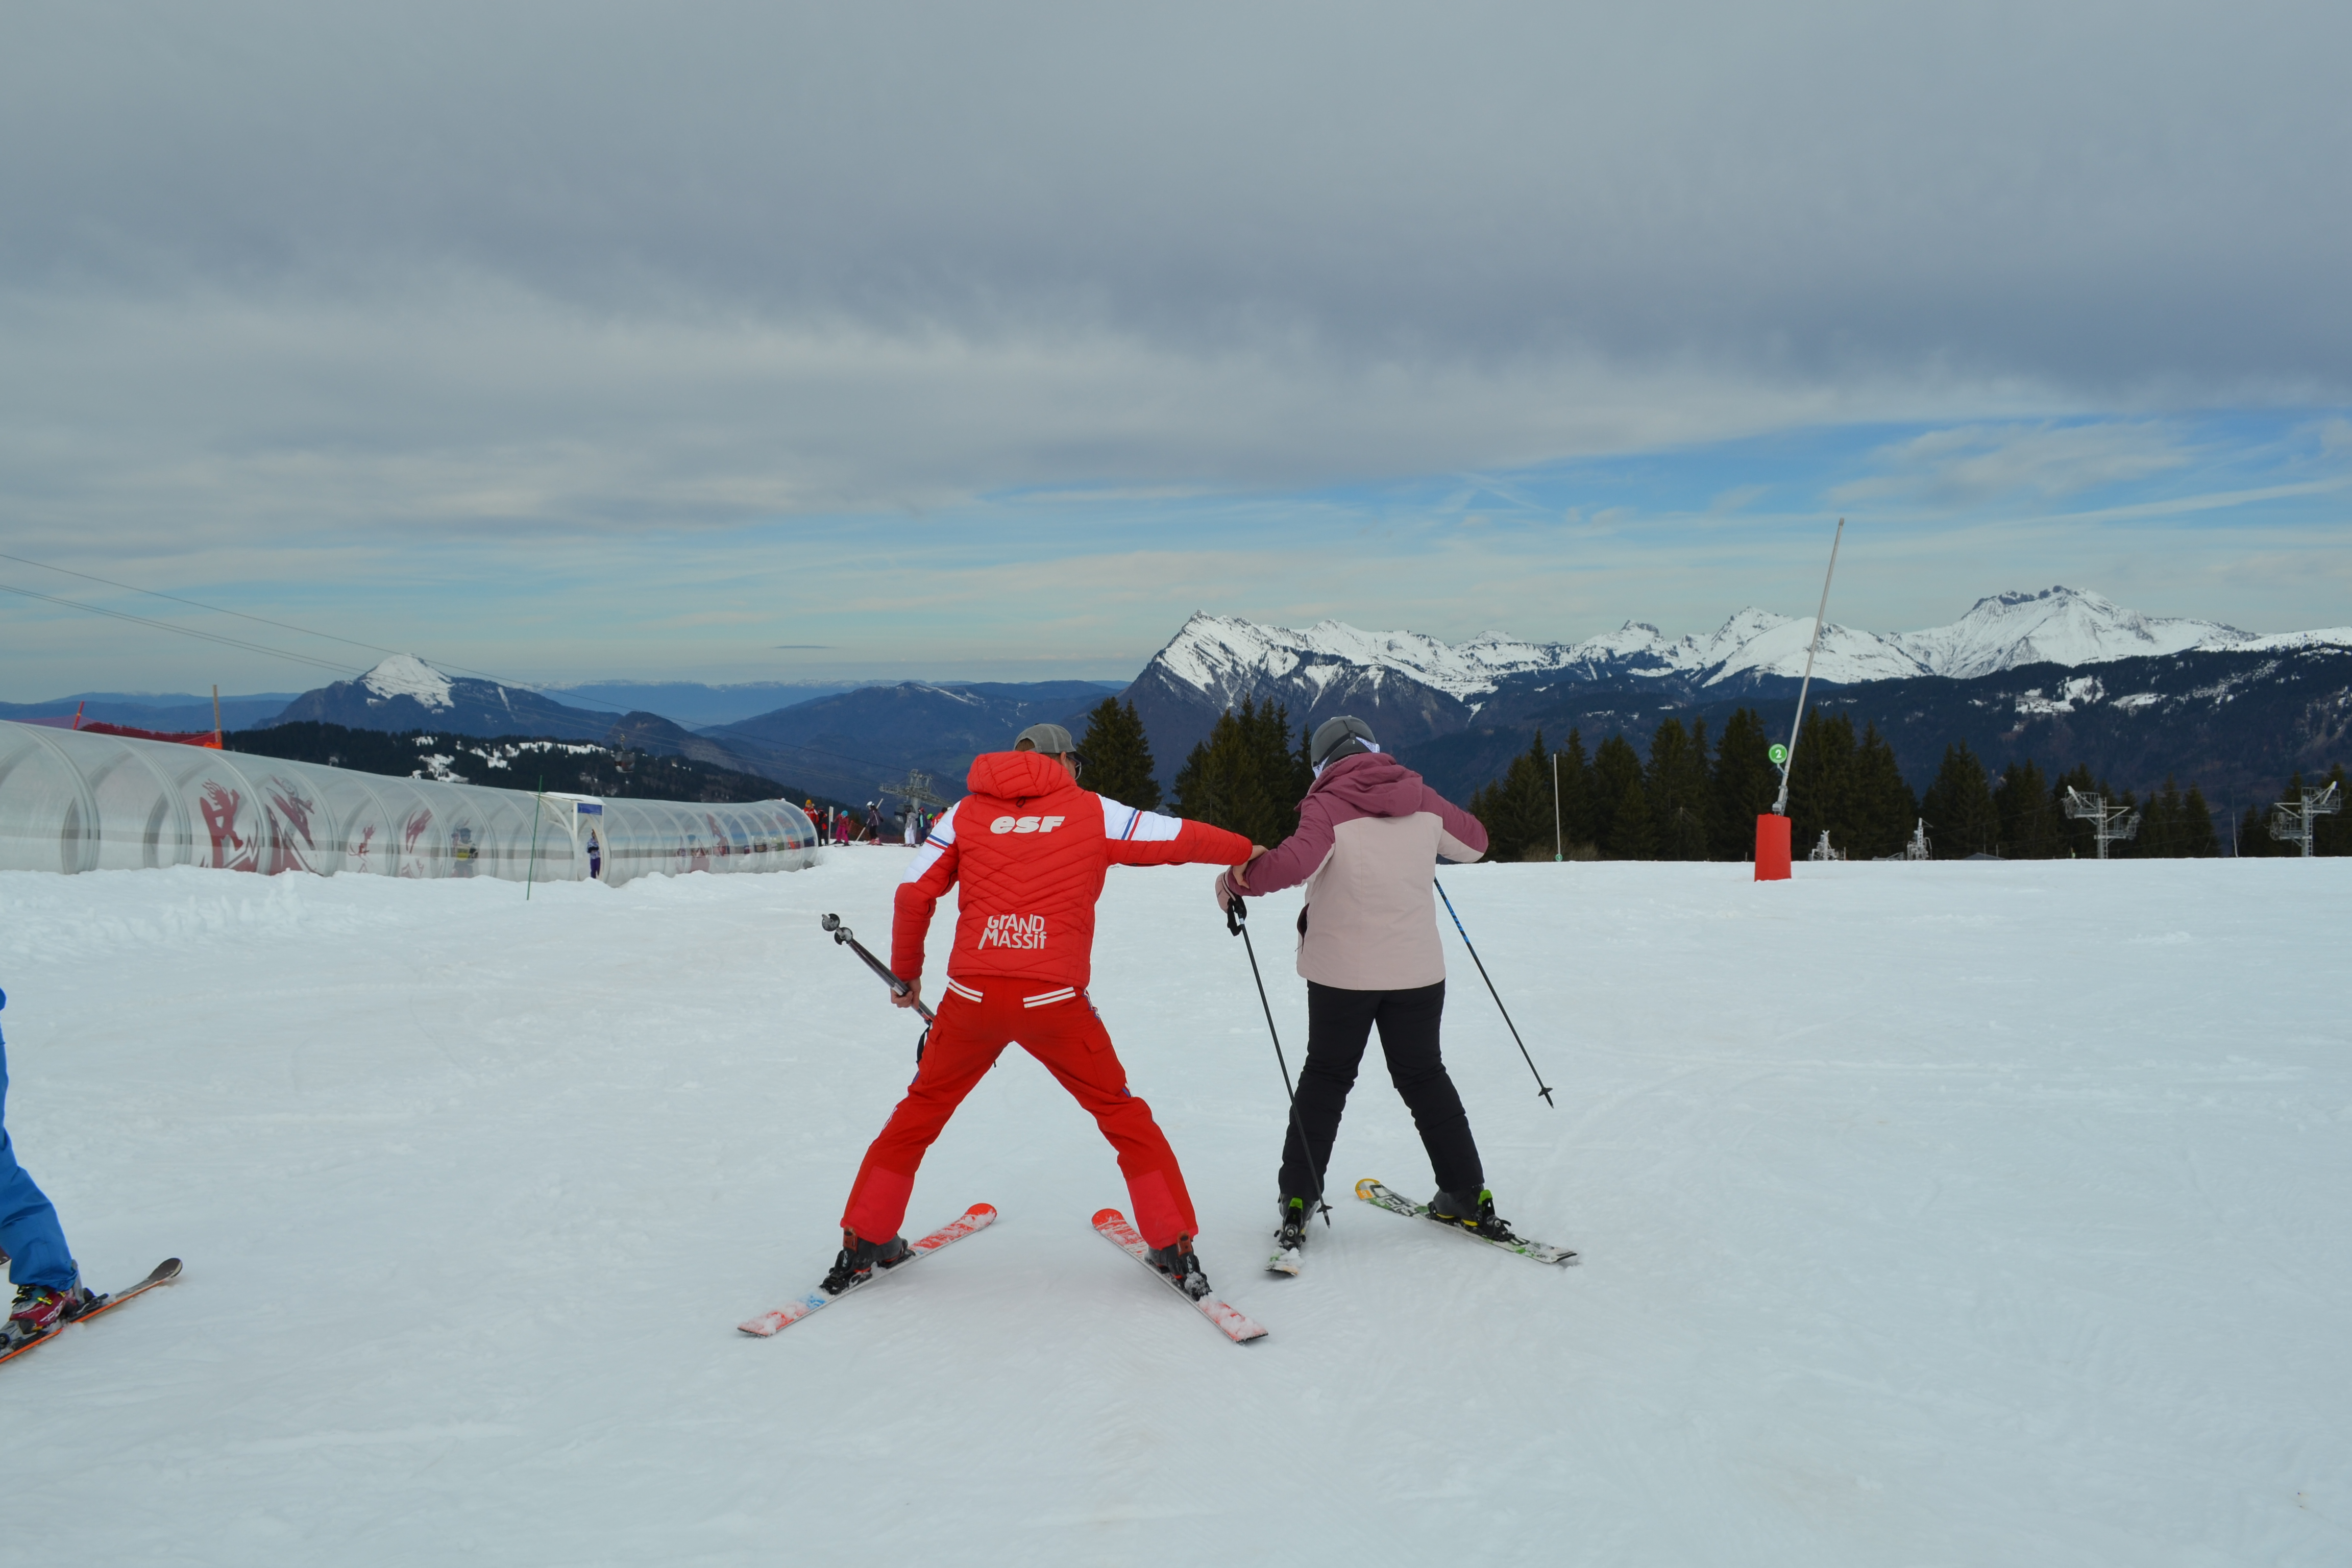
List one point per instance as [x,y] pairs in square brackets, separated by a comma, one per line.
[1781,806]
[1557,846]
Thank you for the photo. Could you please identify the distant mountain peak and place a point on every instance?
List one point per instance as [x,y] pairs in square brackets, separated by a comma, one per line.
[2056,625]
[405,675]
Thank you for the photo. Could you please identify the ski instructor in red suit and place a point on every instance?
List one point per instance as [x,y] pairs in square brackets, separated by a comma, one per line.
[1030,848]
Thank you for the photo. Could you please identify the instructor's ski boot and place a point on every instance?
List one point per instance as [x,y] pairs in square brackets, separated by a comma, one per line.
[1475,1215]
[40,1310]
[860,1258]
[1296,1213]
[1177,1261]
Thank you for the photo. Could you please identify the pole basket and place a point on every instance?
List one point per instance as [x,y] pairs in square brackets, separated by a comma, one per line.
[1771,849]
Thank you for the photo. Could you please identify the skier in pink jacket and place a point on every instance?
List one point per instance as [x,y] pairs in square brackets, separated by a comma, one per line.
[1370,837]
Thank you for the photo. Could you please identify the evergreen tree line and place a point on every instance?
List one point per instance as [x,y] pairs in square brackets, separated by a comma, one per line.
[1684,804]
[1688,800]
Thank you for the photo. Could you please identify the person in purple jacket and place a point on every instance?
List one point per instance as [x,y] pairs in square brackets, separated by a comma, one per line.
[1370,837]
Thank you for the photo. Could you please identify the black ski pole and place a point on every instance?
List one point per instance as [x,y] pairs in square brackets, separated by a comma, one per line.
[843,935]
[1237,923]
[1495,995]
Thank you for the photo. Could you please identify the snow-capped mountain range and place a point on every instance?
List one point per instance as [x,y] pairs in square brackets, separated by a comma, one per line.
[1458,710]
[1223,656]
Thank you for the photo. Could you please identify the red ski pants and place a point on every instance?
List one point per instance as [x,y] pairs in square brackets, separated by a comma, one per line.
[1065,1035]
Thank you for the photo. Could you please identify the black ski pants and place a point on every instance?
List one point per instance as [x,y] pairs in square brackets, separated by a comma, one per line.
[1339,1024]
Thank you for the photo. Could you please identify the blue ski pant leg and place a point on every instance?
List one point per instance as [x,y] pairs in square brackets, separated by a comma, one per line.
[29,1232]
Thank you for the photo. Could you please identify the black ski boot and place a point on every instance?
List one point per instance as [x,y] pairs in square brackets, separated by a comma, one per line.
[1475,1215]
[859,1259]
[1296,1213]
[1177,1261]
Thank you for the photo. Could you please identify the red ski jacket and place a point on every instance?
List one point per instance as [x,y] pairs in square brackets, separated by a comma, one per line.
[1031,847]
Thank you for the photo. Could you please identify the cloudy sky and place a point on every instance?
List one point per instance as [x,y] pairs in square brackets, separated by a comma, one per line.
[774,343]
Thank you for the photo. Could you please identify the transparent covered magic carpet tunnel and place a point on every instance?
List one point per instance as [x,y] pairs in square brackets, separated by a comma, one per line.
[72,801]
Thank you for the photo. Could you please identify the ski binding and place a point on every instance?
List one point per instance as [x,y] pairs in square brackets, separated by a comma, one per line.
[1113,1228]
[164,1273]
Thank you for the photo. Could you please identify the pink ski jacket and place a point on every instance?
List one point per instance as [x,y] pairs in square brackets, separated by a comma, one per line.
[1369,834]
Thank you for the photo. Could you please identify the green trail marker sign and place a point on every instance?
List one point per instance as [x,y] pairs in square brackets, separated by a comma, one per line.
[1780,755]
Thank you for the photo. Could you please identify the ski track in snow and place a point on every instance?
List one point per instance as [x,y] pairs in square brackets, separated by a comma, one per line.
[1947,1214]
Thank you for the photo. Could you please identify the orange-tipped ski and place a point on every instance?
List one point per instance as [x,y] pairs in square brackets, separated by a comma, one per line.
[978,1217]
[1112,1226]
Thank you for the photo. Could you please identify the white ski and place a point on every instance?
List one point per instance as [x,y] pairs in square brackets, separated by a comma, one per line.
[1378,1196]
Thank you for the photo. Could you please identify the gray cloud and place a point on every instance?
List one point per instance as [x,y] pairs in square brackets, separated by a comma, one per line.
[295,287]
[2105,198]
[1969,464]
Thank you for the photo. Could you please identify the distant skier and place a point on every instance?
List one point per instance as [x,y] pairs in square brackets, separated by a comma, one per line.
[873,822]
[1030,848]
[1370,836]
[49,1286]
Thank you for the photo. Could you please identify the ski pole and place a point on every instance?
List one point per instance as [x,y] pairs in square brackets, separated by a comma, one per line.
[1237,923]
[843,935]
[1495,995]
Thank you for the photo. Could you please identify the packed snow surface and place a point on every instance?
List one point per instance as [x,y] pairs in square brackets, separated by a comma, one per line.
[405,675]
[1969,1214]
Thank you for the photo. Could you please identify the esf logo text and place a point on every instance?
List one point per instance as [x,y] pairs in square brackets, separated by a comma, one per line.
[1025,824]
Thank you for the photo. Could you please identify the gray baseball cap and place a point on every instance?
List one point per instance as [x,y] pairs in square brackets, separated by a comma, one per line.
[1051,739]
[1341,737]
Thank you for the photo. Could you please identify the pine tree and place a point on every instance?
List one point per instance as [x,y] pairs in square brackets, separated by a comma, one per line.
[1821,785]
[1676,785]
[1742,788]
[1245,777]
[2162,825]
[1119,756]
[2030,824]
[1576,820]
[1886,810]
[2197,836]
[1620,806]
[1517,807]
[1958,807]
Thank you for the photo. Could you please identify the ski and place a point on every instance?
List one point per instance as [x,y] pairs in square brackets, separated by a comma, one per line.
[1378,1196]
[1285,1260]
[164,1273]
[978,1217]
[1112,1226]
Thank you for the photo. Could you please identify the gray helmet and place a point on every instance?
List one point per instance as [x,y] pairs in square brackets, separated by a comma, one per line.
[1342,737]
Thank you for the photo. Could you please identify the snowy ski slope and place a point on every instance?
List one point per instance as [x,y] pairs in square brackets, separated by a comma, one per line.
[1949,1213]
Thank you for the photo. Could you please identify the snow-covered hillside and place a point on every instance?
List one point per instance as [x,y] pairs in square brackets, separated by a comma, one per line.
[1968,1213]
[2056,625]
[1224,658]
[405,675]
[1222,655]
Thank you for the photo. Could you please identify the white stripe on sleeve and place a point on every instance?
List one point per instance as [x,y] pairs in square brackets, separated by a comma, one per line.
[1150,827]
